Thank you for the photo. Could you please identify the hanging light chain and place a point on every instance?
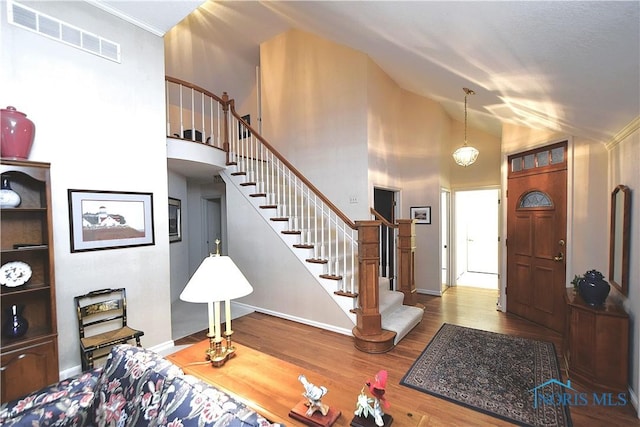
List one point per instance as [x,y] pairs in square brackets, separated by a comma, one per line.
[465,119]
[467,92]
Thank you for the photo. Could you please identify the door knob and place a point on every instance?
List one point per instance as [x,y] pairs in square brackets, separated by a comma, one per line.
[559,257]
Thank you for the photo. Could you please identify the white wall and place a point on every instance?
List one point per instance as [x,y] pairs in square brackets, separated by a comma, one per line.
[101,126]
[178,251]
[282,285]
[623,161]
[204,52]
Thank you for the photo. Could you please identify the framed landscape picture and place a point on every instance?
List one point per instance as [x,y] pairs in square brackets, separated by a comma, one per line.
[422,214]
[110,219]
[175,220]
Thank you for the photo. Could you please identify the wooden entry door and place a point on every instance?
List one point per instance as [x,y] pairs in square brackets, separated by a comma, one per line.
[536,235]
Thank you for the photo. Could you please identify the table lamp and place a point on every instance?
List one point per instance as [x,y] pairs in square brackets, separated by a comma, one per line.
[217,279]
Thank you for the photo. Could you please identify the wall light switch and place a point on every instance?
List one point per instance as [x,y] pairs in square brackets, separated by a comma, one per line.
[353,199]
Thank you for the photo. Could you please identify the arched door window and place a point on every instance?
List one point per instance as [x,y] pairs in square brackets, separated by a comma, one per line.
[535,199]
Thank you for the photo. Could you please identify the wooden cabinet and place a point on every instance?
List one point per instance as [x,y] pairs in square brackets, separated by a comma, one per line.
[30,361]
[597,344]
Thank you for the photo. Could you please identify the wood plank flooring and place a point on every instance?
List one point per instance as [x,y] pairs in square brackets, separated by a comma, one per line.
[333,355]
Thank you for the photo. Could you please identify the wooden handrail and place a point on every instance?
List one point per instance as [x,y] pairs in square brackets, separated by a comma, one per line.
[384,221]
[231,102]
[296,172]
[194,87]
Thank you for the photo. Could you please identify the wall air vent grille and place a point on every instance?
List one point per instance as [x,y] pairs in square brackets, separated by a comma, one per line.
[32,20]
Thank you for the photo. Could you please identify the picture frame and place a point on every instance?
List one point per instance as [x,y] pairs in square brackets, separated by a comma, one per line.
[175,220]
[109,219]
[421,214]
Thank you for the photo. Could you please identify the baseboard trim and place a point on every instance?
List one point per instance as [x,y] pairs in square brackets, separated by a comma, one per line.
[77,369]
[320,325]
[162,346]
[429,292]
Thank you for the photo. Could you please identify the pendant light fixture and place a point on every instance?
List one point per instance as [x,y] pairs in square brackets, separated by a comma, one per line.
[466,155]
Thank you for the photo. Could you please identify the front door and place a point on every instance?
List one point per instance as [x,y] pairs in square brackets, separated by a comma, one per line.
[536,235]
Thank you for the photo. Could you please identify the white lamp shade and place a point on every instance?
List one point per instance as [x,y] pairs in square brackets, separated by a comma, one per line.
[217,279]
[465,155]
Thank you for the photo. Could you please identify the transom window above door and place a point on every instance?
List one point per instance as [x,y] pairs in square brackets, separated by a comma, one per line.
[553,155]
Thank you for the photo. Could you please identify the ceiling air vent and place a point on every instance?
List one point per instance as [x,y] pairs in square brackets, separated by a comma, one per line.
[32,20]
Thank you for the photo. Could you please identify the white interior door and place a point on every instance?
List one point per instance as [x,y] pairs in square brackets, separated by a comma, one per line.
[482,232]
[476,237]
[445,200]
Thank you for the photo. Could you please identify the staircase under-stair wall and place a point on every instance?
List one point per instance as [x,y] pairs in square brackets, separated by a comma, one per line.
[283,285]
[295,301]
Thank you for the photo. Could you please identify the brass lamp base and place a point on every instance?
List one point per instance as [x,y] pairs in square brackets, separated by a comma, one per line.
[218,354]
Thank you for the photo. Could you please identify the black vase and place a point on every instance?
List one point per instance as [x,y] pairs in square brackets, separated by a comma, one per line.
[593,288]
[15,324]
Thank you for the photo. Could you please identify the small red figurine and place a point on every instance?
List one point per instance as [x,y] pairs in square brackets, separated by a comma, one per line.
[377,387]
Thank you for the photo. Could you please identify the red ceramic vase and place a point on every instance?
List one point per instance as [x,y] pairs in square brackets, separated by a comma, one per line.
[17,134]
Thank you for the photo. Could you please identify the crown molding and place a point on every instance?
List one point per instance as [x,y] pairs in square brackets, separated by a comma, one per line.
[632,127]
[113,11]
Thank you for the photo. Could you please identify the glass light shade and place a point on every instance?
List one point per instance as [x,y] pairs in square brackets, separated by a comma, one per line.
[465,155]
[217,279]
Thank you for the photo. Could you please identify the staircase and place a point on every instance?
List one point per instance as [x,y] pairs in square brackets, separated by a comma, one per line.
[395,316]
[335,249]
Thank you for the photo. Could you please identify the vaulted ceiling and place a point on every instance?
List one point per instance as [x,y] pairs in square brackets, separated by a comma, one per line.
[569,66]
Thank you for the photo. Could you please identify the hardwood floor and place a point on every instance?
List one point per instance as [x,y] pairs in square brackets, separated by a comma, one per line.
[333,355]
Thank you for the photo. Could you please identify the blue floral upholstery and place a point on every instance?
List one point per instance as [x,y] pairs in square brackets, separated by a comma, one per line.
[189,401]
[136,387]
[131,385]
[66,403]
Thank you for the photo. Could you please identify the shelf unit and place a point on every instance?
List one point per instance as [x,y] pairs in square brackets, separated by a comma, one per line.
[29,362]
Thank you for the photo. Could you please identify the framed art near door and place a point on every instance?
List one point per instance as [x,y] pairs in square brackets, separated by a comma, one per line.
[422,214]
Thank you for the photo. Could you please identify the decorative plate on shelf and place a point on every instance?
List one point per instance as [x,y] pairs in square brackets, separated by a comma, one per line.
[15,273]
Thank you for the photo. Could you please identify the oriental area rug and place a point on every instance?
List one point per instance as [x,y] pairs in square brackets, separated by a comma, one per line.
[511,378]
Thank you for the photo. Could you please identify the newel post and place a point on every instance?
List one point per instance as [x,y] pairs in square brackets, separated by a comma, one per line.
[225,124]
[406,260]
[368,333]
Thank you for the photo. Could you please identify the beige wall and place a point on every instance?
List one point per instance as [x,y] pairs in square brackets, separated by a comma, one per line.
[315,96]
[485,172]
[406,133]
[314,112]
[101,126]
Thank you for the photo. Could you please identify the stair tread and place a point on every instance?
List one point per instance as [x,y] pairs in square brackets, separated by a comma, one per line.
[402,320]
[389,301]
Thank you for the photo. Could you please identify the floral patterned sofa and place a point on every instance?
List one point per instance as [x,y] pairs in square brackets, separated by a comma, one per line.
[136,387]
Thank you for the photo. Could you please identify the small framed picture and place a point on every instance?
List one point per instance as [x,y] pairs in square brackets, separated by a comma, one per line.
[175,220]
[422,214]
[110,219]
